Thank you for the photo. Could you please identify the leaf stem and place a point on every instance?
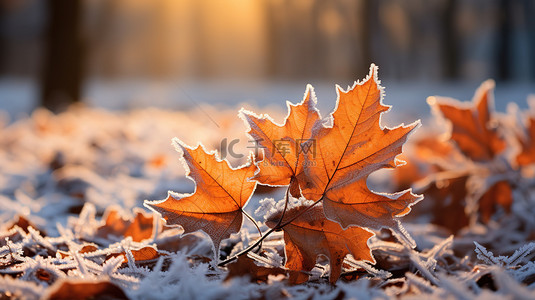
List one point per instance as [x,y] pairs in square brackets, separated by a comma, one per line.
[252,221]
[286,199]
[244,251]
[267,233]
[255,224]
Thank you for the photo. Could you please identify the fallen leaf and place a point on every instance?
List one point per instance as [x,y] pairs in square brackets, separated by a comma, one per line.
[85,249]
[157,161]
[139,228]
[179,242]
[478,143]
[499,194]
[527,145]
[24,223]
[247,266]
[448,199]
[84,289]
[445,196]
[44,275]
[471,127]
[216,205]
[312,234]
[142,255]
[283,144]
[351,146]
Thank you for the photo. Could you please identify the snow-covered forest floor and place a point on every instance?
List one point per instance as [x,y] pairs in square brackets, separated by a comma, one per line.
[72,221]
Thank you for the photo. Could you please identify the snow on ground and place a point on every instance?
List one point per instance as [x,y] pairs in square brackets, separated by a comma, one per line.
[20,96]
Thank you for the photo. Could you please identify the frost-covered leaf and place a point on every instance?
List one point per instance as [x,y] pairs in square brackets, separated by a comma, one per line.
[85,289]
[311,234]
[220,194]
[283,144]
[245,266]
[139,227]
[472,129]
[347,151]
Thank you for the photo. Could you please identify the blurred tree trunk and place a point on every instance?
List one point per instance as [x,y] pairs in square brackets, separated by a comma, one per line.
[504,40]
[450,56]
[3,42]
[63,67]
[529,13]
[364,36]
[272,38]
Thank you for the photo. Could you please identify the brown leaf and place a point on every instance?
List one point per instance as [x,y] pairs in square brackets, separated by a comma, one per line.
[177,243]
[89,248]
[24,223]
[216,205]
[527,151]
[311,234]
[445,197]
[142,255]
[85,249]
[83,289]
[247,266]
[471,126]
[282,144]
[405,176]
[477,140]
[500,194]
[347,152]
[448,203]
[157,161]
[139,228]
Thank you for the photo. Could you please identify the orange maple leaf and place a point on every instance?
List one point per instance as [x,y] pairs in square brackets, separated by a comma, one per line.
[311,234]
[282,143]
[220,194]
[471,124]
[473,143]
[349,148]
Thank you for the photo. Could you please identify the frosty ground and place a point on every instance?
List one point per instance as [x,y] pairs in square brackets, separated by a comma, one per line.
[62,172]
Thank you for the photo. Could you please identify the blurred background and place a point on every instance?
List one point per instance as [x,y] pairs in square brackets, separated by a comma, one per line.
[184,53]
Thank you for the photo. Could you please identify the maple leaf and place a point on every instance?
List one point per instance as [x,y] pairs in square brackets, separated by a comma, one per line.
[473,135]
[139,228]
[283,144]
[85,249]
[349,148]
[499,194]
[220,194]
[84,289]
[143,255]
[247,266]
[446,191]
[526,156]
[312,234]
[449,202]
[464,181]
[471,125]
